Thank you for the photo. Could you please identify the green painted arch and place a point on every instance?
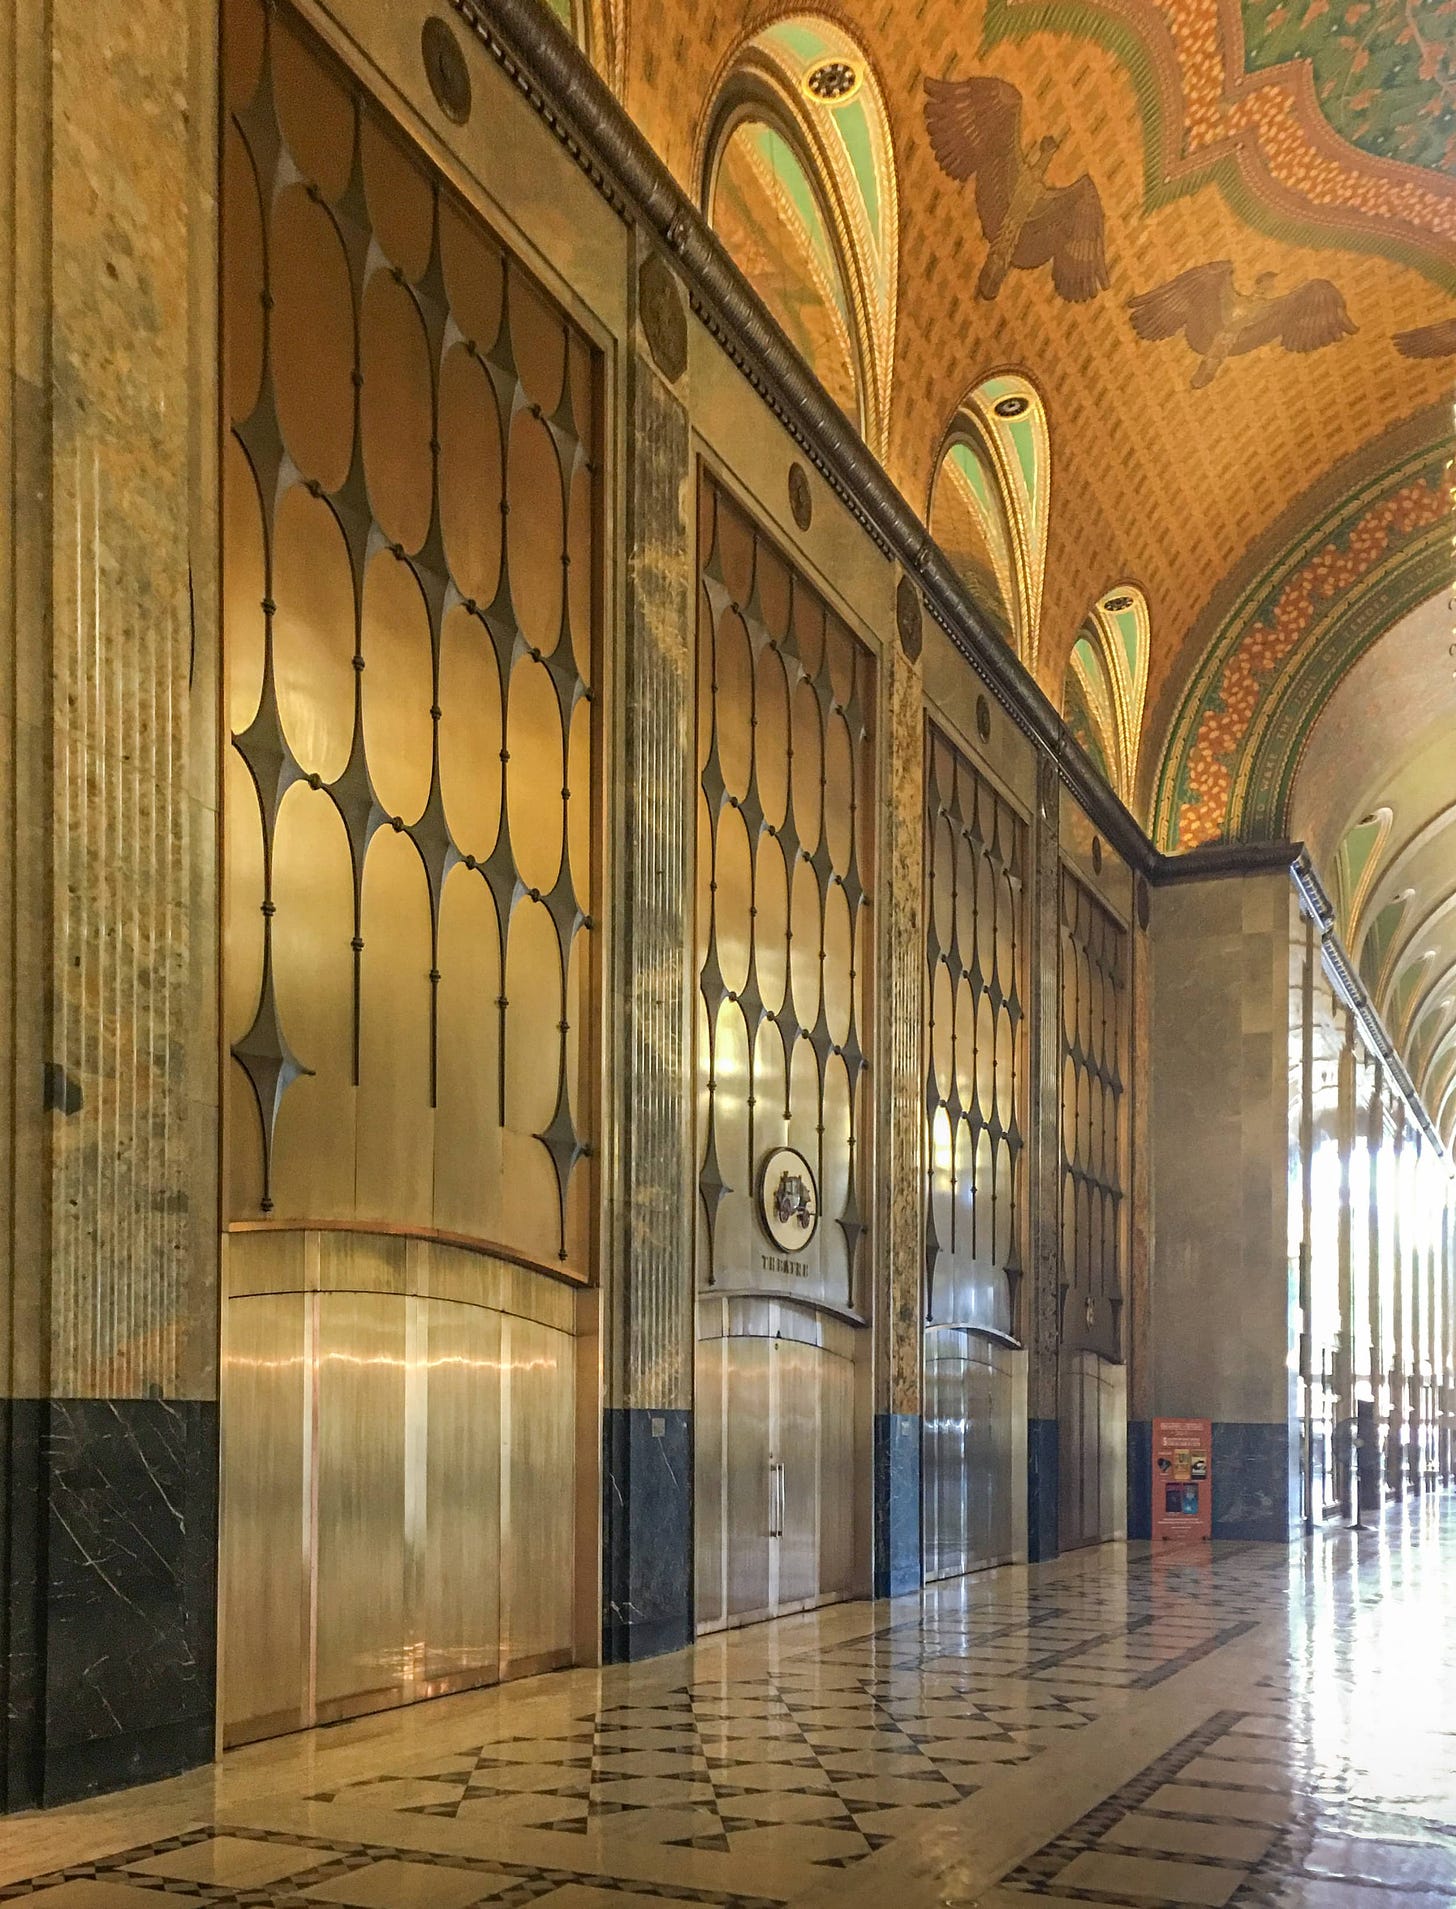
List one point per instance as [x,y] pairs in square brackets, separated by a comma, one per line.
[1274,749]
[1328,516]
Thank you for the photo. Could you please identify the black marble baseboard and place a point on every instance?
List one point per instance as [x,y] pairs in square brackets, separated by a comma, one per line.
[1043,1489]
[898,1567]
[1139,1478]
[1255,1481]
[647,1533]
[110,1593]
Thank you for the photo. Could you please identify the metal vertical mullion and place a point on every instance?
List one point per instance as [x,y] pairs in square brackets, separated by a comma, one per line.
[416,1485]
[310,1508]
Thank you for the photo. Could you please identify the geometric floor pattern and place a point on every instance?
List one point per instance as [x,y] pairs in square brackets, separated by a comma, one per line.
[1240,1727]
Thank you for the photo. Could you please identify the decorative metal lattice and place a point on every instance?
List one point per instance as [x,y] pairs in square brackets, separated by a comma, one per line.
[975,856]
[410,556]
[786,824]
[1094,1028]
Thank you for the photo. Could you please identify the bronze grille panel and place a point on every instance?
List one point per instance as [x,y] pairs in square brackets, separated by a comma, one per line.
[786,826]
[975,858]
[1094,977]
[411,558]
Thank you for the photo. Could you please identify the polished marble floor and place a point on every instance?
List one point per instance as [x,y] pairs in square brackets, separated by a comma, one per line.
[1238,1725]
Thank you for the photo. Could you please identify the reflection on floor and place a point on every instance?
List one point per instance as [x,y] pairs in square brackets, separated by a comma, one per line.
[1243,1726]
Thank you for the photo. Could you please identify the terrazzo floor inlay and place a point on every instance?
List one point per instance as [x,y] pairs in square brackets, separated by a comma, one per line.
[1237,1725]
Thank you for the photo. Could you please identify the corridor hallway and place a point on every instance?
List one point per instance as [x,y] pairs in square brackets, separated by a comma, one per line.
[1242,1726]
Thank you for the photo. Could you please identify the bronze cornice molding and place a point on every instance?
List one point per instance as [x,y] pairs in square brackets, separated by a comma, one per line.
[536,53]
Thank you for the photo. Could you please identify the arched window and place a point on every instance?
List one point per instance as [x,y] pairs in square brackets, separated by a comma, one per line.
[799,183]
[988,505]
[1379,941]
[1106,684]
[1356,860]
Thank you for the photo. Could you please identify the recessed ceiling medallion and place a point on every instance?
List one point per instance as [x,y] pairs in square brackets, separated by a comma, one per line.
[1012,407]
[832,82]
[1117,603]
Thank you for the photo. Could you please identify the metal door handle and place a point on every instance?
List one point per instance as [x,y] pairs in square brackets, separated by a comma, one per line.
[775,1499]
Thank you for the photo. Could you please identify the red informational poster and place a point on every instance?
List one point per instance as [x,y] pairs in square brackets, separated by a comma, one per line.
[1182,1478]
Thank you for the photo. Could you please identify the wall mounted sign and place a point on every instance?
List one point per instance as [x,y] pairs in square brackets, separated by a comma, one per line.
[1182,1478]
[788,1200]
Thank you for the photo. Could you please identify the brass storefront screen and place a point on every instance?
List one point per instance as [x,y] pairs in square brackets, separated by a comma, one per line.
[410,555]
[786,824]
[975,853]
[1094,1034]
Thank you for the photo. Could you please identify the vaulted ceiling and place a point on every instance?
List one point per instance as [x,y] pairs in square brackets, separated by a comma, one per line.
[1273,478]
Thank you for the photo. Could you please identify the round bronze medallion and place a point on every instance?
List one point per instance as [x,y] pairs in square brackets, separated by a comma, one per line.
[1144,903]
[909,619]
[1097,854]
[445,69]
[800,501]
[664,322]
[983,719]
[788,1200]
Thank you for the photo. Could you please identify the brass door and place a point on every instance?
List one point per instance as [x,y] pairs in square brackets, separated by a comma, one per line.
[797,1413]
[751,1498]
[968,1477]
[1093,1454]
[399,1503]
[774,1477]
[361,1645]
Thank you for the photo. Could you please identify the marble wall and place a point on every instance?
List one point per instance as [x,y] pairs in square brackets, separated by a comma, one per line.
[107,782]
[1221,1275]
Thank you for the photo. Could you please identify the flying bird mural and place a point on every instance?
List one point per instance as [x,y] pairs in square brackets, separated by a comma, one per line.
[1428,341]
[1219,322]
[975,132]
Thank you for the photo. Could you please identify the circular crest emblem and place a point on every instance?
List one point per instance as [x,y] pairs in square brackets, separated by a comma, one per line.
[908,618]
[801,501]
[446,70]
[788,1200]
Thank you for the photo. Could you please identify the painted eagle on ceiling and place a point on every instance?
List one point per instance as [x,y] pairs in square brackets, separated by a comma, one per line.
[1218,321]
[975,132]
[1428,341]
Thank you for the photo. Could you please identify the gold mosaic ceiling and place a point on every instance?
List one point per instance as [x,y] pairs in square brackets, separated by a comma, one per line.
[1240,152]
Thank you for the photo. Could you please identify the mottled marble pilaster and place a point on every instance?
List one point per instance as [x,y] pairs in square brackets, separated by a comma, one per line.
[1139,1478]
[897,1504]
[1043,1488]
[899,1306]
[647,1533]
[648,1274]
[1255,1481]
[108,779]
[113,1550]
[1041,1323]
